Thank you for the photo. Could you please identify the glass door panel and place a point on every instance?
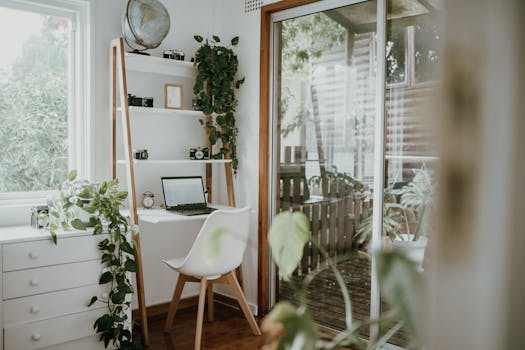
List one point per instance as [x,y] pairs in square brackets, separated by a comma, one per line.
[323,137]
[412,60]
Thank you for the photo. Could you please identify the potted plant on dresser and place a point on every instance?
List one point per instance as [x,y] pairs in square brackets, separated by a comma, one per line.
[97,205]
[405,217]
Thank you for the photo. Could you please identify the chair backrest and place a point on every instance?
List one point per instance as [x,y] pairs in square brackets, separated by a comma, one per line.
[232,228]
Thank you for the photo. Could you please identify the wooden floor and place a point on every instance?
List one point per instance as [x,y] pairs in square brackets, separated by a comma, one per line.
[229,331]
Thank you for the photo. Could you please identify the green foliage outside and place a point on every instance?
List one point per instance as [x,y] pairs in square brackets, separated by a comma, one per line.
[33,114]
[303,40]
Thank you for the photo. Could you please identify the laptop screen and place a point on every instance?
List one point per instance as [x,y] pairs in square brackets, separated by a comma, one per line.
[183,191]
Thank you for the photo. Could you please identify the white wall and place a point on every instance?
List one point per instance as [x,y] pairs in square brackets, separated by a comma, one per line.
[188,17]
[205,17]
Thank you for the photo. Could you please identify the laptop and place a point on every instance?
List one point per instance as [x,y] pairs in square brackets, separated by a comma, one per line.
[185,195]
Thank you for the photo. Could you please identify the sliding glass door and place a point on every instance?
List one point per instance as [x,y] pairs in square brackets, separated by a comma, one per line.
[340,89]
[323,142]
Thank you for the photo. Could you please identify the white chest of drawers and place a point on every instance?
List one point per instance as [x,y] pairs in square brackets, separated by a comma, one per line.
[45,289]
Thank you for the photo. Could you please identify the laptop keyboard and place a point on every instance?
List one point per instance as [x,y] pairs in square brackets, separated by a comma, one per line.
[190,212]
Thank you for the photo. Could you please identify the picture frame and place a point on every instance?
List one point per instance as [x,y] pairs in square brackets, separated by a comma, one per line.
[173,96]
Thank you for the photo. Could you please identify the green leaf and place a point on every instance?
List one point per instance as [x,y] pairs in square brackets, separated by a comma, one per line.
[92,301]
[198,38]
[402,286]
[288,235]
[299,329]
[53,236]
[72,175]
[130,265]
[78,224]
[213,243]
[126,247]
[118,298]
[239,82]
[235,41]
[216,39]
[106,277]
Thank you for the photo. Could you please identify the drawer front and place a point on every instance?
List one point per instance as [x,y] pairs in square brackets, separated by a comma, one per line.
[46,333]
[28,255]
[55,304]
[49,279]
[88,343]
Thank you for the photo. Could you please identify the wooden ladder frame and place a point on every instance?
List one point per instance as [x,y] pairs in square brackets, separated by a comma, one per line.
[118,81]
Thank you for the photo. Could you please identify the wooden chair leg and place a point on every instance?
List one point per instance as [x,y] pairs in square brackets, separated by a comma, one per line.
[237,291]
[200,313]
[174,302]
[211,308]
[240,277]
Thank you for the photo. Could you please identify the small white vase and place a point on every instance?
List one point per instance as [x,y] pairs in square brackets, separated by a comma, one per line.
[414,250]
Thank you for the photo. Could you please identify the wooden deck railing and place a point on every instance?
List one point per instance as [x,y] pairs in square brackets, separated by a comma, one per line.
[335,216]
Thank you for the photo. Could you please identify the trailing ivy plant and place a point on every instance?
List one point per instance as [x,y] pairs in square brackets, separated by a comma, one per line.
[101,203]
[215,82]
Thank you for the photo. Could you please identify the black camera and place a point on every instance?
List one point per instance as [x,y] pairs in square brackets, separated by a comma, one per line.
[196,104]
[174,55]
[141,154]
[199,153]
[140,101]
[35,213]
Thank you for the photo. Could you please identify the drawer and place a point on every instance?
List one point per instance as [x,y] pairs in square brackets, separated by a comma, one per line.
[27,255]
[53,331]
[49,279]
[49,305]
[88,343]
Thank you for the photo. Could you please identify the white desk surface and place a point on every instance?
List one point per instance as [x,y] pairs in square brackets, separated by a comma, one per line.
[12,234]
[158,215]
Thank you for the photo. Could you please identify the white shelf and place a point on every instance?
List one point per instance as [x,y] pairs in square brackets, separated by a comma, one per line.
[176,161]
[159,65]
[163,111]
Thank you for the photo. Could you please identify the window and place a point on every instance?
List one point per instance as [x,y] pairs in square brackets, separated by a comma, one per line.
[43,95]
[412,53]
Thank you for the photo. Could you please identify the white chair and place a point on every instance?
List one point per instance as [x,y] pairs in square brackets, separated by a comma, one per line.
[197,267]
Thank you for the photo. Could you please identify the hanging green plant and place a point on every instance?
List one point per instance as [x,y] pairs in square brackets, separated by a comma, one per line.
[101,203]
[214,89]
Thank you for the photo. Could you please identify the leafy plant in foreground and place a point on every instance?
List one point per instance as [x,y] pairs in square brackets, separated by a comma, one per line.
[293,328]
[101,203]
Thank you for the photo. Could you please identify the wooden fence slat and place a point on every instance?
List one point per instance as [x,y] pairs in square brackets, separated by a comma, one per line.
[349,223]
[323,238]
[315,235]
[341,232]
[332,228]
[357,211]
[307,251]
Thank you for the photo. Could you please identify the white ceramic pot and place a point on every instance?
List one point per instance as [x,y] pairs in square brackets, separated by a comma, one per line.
[414,250]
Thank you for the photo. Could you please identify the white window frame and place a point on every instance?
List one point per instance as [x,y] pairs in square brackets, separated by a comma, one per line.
[79,104]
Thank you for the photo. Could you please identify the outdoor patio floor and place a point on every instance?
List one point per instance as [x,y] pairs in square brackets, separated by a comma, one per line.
[325,300]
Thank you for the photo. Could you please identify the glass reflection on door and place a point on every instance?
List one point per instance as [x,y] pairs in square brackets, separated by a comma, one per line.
[324,138]
[412,79]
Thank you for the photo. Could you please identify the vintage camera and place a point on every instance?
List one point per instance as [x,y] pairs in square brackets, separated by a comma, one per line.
[199,153]
[141,154]
[174,55]
[196,104]
[140,101]
[35,213]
